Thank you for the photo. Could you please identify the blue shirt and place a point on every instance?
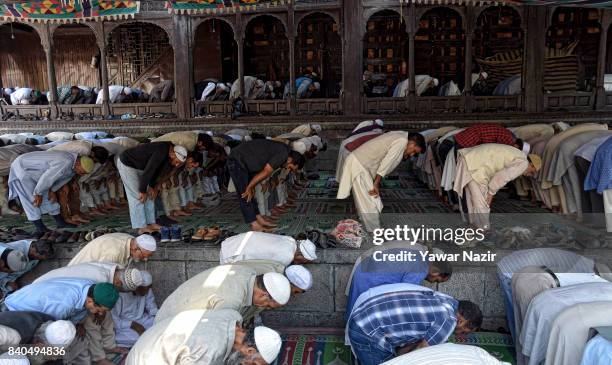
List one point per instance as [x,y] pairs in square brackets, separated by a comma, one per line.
[24,247]
[600,172]
[61,298]
[371,273]
[597,352]
[395,319]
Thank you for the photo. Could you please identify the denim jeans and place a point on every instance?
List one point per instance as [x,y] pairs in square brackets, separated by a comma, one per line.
[141,214]
[240,177]
[367,350]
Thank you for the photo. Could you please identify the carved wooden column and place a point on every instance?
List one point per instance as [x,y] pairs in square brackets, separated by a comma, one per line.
[292,35]
[239,38]
[46,39]
[469,35]
[600,101]
[411,29]
[104,75]
[352,57]
[533,60]
[182,80]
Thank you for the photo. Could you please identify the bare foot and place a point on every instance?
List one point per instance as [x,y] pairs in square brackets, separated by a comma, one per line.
[255,226]
[144,230]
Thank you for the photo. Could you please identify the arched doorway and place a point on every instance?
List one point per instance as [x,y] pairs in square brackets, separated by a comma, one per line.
[498,49]
[215,58]
[440,53]
[266,55]
[22,61]
[76,59]
[139,56]
[573,44]
[385,53]
[319,55]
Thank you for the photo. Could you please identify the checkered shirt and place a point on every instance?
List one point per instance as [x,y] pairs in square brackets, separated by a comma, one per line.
[484,133]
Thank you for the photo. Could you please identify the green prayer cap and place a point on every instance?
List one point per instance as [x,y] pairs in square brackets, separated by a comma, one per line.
[105,294]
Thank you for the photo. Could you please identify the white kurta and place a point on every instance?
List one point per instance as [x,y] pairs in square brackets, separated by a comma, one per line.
[191,337]
[132,308]
[446,354]
[570,331]
[221,287]
[379,156]
[98,272]
[258,246]
[21,96]
[113,92]
[545,307]
[112,247]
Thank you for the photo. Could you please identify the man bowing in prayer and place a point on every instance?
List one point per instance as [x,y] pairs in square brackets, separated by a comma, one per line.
[205,338]
[483,170]
[365,167]
[235,287]
[35,178]
[266,246]
[119,248]
[33,252]
[140,168]
[251,163]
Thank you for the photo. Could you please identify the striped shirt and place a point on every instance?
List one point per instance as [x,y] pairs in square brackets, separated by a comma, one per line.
[395,319]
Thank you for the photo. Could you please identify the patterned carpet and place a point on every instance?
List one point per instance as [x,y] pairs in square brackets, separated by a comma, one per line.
[404,197]
[330,349]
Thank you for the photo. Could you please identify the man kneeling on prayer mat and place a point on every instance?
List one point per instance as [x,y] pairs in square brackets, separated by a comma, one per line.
[119,248]
[68,299]
[483,170]
[33,251]
[205,338]
[35,178]
[134,312]
[237,287]
[99,327]
[267,246]
[391,320]
[365,167]
[447,354]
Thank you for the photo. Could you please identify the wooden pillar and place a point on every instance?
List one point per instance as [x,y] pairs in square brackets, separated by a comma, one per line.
[469,35]
[534,56]
[411,29]
[239,37]
[47,43]
[292,35]
[600,101]
[352,57]
[182,79]
[104,76]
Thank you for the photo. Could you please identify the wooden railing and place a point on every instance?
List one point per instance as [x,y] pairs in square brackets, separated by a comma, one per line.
[385,105]
[569,101]
[482,104]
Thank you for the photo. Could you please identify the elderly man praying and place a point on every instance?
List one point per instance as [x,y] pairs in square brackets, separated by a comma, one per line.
[205,338]
[235,287]
[35,178]
[119,248]
[267,246]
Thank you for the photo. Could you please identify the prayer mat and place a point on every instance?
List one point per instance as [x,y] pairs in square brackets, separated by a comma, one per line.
[334,207]
[516,206]
[314,350]
[416,207]
[498,345]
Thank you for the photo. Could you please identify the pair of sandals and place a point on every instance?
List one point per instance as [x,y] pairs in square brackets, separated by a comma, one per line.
[207,234]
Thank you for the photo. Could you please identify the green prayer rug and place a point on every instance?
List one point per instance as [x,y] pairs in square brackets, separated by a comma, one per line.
[498,345]
[314,350]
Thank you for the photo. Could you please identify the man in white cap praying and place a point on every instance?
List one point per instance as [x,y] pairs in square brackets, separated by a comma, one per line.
[307,130]
[26,327]
[116,94]
[186,337]
[267,246]
[119,248]
[11,260]
[141,168]
[237,287]
[300,279]
[134,312]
